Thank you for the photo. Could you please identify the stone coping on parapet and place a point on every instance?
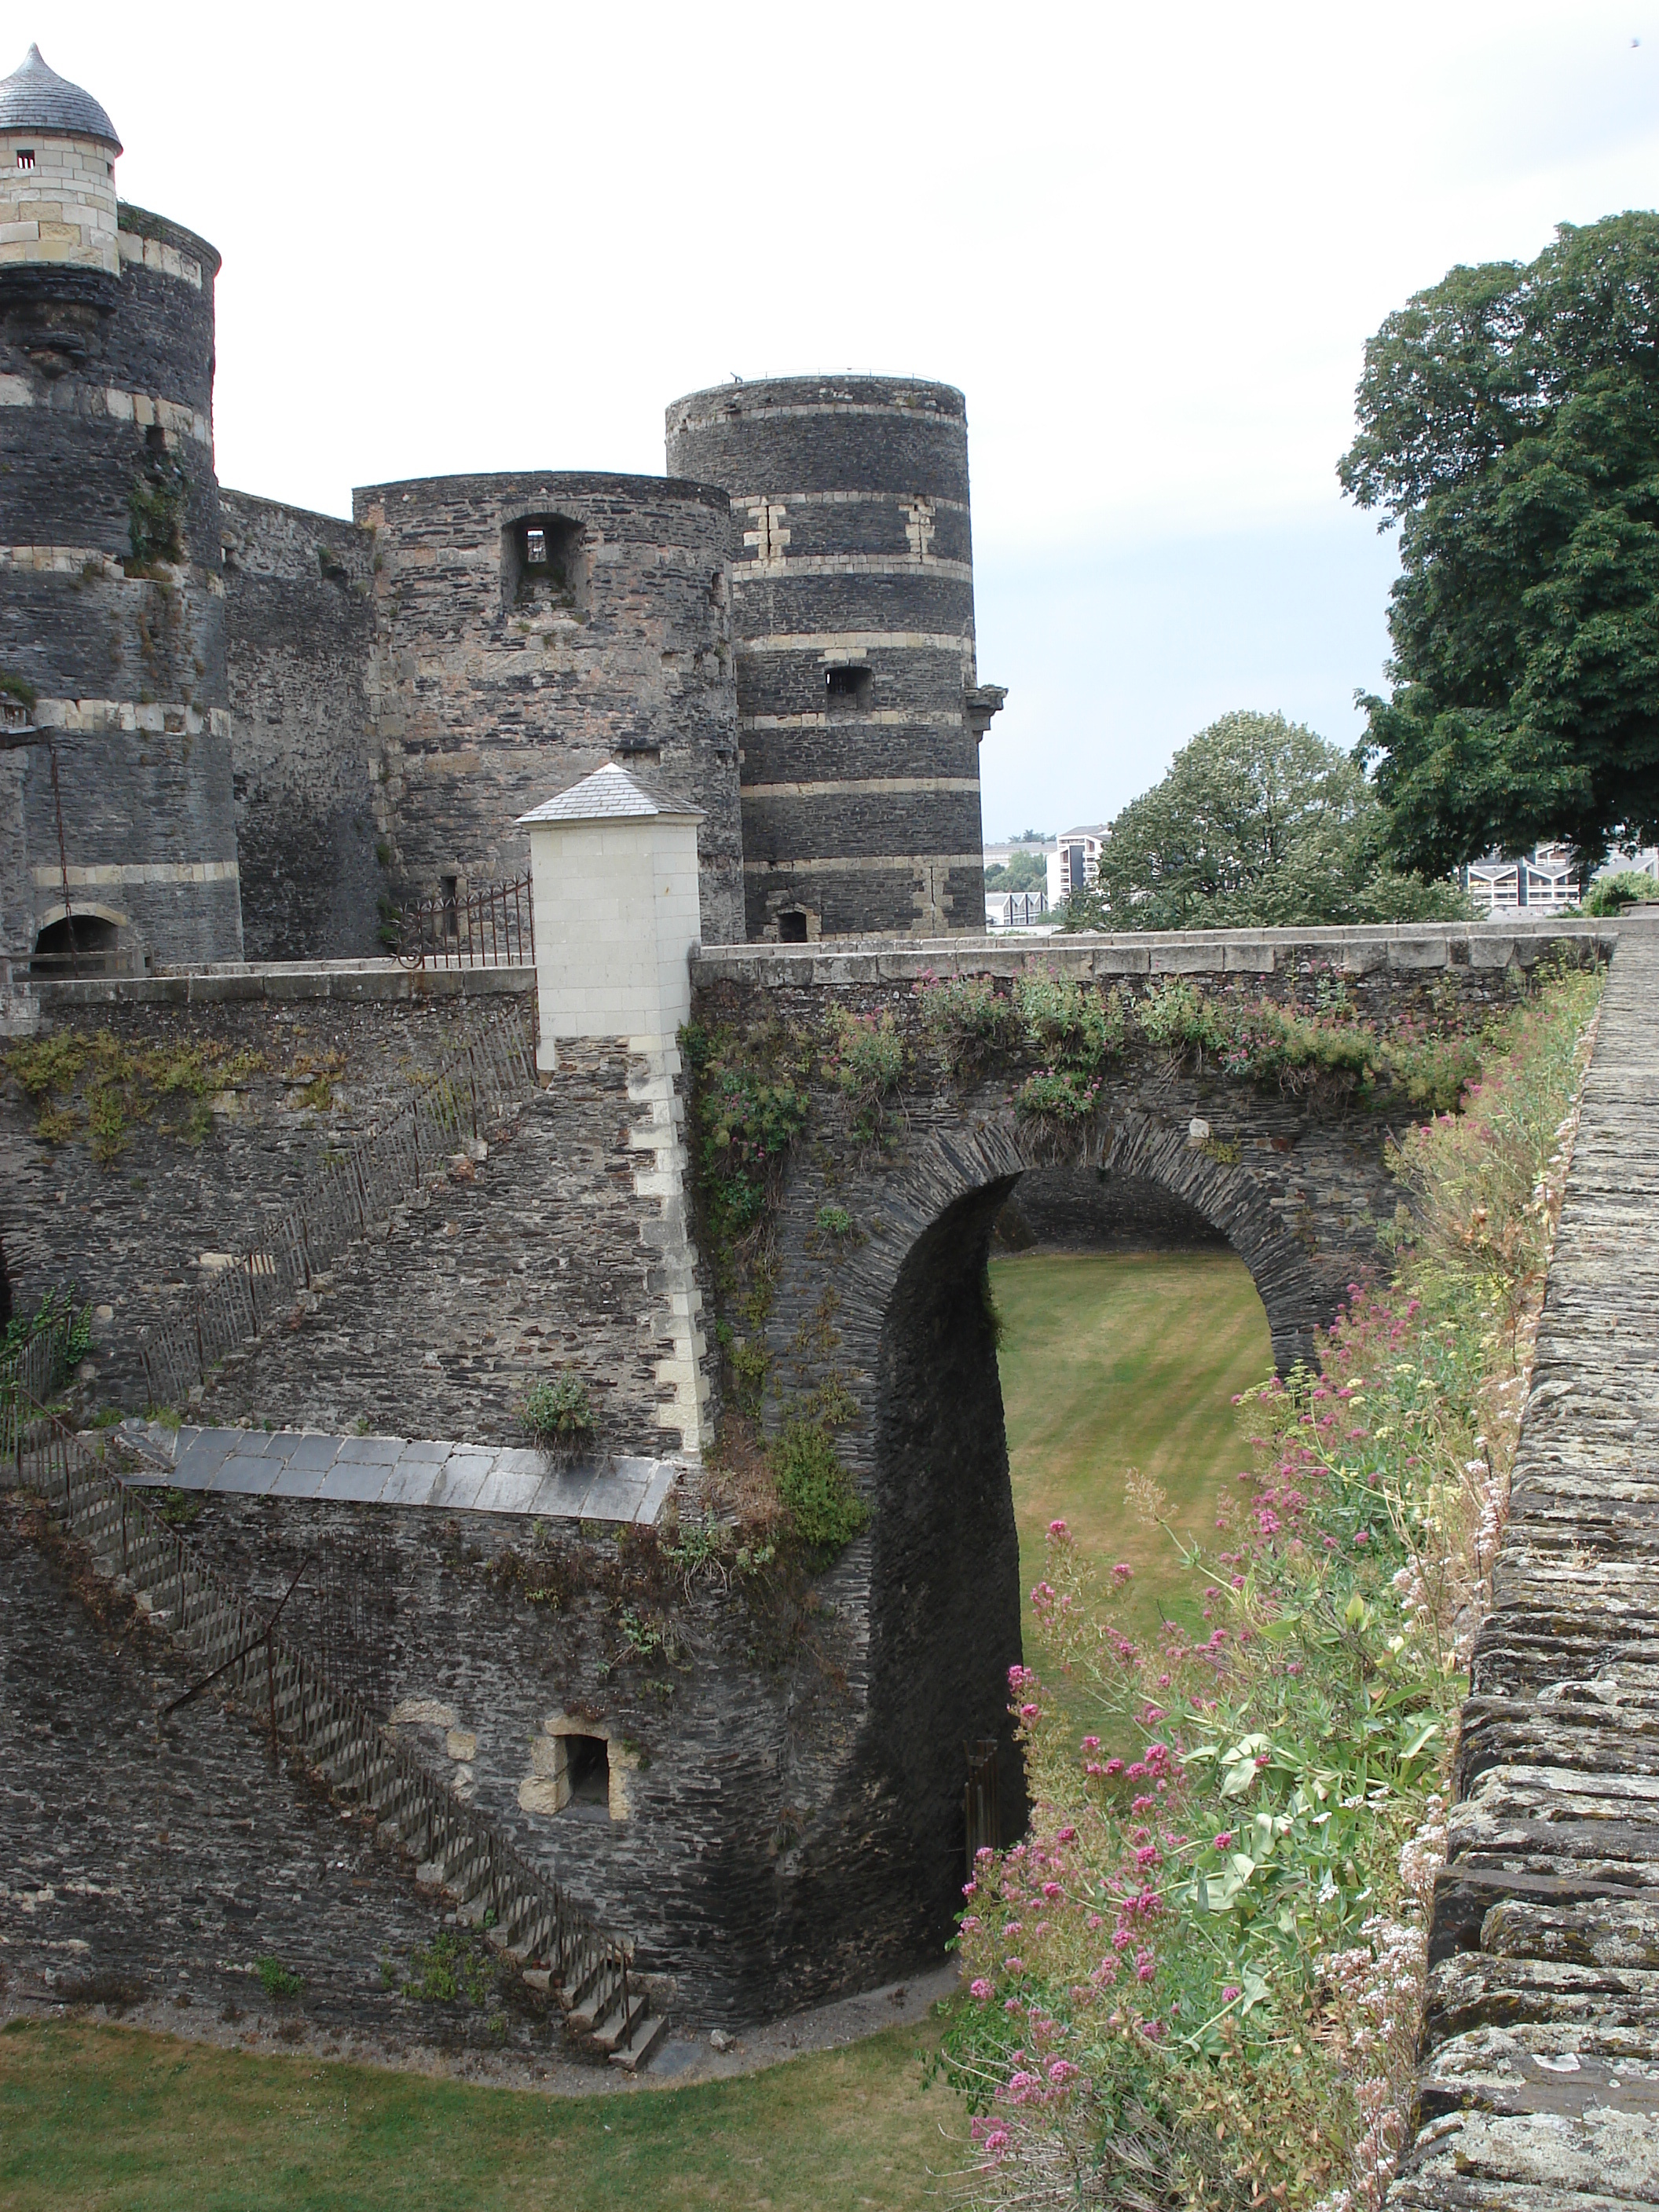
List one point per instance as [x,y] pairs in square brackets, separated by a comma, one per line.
[226,981]
[1403,947]
[438,1477]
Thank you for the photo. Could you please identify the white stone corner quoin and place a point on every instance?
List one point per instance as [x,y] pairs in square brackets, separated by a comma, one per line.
[614,892]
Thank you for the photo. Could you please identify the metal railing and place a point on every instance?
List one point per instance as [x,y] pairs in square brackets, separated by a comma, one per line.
[31,1372]
[494,926]
[362,1184]
[524,1909]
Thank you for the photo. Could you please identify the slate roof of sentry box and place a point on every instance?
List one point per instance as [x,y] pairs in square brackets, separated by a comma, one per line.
[35,98]
[610,794]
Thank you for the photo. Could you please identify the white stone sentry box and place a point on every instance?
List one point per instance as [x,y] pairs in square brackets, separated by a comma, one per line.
[613,873]
[613,883]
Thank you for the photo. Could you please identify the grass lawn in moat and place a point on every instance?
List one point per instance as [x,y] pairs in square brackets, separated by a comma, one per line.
[126,2121]
[1117,1359]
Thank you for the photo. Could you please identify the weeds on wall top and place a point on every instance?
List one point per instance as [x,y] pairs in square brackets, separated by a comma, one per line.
[865,1062]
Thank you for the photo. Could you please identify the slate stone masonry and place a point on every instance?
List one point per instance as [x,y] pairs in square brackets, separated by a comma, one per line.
[504,679]
[853,613]
[300,635]
[1541,2080]
[111,602]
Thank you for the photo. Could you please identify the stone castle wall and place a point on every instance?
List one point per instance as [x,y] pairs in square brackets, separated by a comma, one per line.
[141,1210]
[504,680]
[853,619]
[536,1248]
[112,607]
[301,616]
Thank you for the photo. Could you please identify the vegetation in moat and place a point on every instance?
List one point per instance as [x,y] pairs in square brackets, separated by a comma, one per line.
[90,1085]
[1198,1980]
[93,2115]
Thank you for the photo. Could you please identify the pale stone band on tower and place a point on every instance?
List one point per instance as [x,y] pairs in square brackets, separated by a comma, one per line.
[853,618]
[117,827]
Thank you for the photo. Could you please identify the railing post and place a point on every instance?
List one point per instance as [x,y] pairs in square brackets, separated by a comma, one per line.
[270,1688]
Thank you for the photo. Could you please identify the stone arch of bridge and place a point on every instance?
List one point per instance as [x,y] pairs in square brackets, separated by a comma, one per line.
[944,1592]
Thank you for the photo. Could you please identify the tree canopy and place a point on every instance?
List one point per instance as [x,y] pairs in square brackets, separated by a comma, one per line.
[1259,822]
[1509,423]
[1025,871]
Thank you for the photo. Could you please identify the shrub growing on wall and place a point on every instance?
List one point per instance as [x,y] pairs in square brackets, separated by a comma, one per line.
[815,1488]
[557,1411]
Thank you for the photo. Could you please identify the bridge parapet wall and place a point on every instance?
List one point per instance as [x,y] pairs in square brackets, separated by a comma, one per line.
[1538,2085]
[1395,950]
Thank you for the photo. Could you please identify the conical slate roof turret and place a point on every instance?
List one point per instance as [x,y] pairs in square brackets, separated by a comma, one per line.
[35,98]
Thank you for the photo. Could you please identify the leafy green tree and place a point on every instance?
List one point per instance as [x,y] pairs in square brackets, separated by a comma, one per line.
[1259,822]
[1024,871]
[1509,423]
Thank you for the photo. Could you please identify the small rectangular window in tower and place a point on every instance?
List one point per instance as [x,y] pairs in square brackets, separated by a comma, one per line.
[26,157]
[535,548]
[846,689]
[792,928]
[451,903]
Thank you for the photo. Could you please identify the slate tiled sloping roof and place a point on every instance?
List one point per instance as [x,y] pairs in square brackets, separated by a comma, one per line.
[610,794]
[35,98]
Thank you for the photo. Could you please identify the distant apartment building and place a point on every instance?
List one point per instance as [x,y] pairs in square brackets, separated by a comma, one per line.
[1543,881]
[1016,910]
[1074,863]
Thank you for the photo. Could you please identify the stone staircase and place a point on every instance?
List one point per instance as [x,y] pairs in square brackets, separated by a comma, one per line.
[521,1911]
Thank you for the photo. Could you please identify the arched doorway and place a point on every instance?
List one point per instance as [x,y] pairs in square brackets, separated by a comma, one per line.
[75,943]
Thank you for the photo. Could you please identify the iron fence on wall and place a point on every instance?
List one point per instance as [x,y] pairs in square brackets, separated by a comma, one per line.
[494,926]
[360,1184]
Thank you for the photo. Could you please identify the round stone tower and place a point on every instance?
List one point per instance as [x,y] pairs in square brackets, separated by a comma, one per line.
[116,813]
[860,709]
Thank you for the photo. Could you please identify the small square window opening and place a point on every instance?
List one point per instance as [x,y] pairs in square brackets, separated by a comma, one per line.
[535,548]
[791,929]
[26,157]
[846,689]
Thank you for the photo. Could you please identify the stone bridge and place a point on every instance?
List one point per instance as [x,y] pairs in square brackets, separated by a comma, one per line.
[867,1290]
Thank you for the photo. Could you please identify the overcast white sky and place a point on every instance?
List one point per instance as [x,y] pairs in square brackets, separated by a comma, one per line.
[1148,243]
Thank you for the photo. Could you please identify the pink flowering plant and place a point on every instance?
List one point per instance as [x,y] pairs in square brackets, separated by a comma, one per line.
[1199,1978]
